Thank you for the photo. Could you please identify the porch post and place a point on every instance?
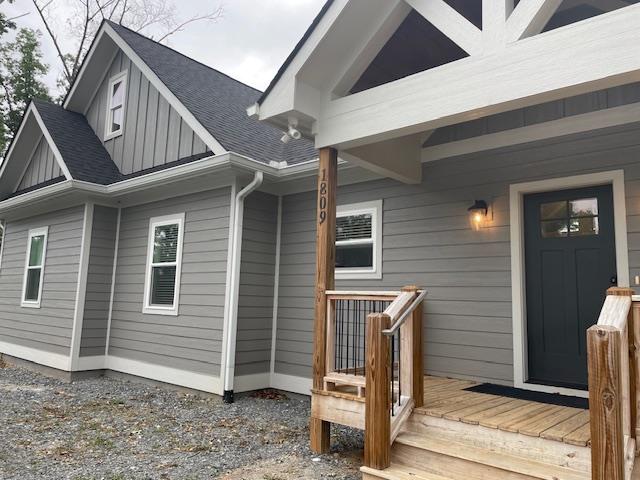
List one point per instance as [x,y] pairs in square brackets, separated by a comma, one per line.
[325,268]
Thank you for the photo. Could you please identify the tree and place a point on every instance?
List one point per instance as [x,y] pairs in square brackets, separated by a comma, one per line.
[142,16]
[21,73]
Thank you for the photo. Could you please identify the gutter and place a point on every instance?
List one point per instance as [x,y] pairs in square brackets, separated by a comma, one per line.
[234,286]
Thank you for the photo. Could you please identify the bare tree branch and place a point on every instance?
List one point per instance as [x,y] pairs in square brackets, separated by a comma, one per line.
[53,37]
[213,16]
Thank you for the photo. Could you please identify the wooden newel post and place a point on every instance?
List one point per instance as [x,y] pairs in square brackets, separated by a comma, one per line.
[377,424]
[605,403]
[325,268]
[417,369]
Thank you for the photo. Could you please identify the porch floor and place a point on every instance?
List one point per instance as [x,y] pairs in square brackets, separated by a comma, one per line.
[447,398]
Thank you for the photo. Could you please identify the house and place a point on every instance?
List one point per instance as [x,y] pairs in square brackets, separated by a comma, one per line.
[473,198]
[507,137]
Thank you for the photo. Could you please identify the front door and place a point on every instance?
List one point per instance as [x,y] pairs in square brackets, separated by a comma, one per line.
[570,261]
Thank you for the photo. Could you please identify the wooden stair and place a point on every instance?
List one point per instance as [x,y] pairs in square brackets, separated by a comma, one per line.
[433,452]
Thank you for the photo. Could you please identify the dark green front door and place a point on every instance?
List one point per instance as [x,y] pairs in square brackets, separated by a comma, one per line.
[569,264]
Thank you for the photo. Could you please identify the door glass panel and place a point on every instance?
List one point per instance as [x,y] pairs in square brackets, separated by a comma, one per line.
[584,226]
[584,207]
[554,228]
[553,210]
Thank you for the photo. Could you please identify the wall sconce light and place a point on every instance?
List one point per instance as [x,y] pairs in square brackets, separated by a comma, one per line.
[478,214]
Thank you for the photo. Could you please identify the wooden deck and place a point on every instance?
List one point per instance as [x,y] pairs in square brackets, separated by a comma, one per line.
[447,398]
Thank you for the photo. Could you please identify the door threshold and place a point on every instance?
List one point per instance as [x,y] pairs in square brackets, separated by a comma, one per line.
[535,387]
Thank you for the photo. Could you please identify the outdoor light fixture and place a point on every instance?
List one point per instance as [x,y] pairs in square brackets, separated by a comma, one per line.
[478,214]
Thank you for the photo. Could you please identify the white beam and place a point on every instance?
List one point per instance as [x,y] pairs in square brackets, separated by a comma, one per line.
[454,25]
[597,53]
[530,17]
[586,122]
[494,23]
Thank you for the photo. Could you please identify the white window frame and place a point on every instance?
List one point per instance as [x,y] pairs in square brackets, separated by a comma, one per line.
[154,222]
[120,77]
[375,209]
[35,232]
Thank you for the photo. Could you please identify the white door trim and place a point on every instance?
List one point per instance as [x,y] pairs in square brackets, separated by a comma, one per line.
[518,294]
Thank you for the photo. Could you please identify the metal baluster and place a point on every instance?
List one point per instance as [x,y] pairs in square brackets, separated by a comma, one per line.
[399,368]
[393,403]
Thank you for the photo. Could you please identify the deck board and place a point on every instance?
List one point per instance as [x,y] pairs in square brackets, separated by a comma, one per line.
[450,400]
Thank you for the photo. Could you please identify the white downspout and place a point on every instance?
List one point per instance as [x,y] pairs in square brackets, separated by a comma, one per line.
[236,254]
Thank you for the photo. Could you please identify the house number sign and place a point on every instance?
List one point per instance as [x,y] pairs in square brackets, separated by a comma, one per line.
[323,197]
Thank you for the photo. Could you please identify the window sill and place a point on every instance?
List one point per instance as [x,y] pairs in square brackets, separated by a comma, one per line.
[173,312]
[111,136]
[30,304]
[357,275]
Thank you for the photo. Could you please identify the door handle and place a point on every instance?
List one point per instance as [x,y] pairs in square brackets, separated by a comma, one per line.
[613,280]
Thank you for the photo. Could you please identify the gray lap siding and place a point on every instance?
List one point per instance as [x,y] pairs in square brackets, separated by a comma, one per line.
[255,304]
[192,340]
[49,327]
[428,242]
[99,276]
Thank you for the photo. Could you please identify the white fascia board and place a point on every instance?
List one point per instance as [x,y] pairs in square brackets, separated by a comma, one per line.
[188,117]
[32,110]
[281,97]
[52,144]
[579,58]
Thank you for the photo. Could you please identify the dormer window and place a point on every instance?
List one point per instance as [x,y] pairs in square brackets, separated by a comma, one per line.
[115,105]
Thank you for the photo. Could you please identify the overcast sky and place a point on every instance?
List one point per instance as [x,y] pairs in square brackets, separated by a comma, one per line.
[249,43]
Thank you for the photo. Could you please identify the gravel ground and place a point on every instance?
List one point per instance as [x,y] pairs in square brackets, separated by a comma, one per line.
[112,429]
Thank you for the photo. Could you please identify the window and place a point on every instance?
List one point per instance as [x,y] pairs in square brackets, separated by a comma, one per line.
[34,267]
[115,105]
[572,218]
[359,241]
[164,262]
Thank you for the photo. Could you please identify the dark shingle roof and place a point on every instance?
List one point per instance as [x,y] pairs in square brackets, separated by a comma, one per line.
[218,102]
[81,150]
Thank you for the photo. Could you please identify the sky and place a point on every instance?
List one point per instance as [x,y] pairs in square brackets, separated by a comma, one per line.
[249,42]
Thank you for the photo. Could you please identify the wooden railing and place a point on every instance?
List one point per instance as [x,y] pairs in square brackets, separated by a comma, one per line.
[612,347]
[393,371]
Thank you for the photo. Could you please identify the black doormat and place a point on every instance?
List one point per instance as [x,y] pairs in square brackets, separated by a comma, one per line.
[549,398]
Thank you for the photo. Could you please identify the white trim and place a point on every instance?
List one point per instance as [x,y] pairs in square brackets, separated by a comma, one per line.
[276,289]
[606,118]
[375,209]
[291,383]
[113,282]
[174,376]
[34,232]
[516,194]
[52,144]
[98,84]
[154,222]
[120,77]
[529,18]
[3,234]
[249,383]
[41,357]
[81,288]
[451,23]
[96,362]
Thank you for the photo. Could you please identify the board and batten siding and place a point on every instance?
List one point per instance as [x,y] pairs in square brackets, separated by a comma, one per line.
[99,276]
[257,270]
[42,166]
[49,327]
[154,133]
[192,340]
[428,242]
